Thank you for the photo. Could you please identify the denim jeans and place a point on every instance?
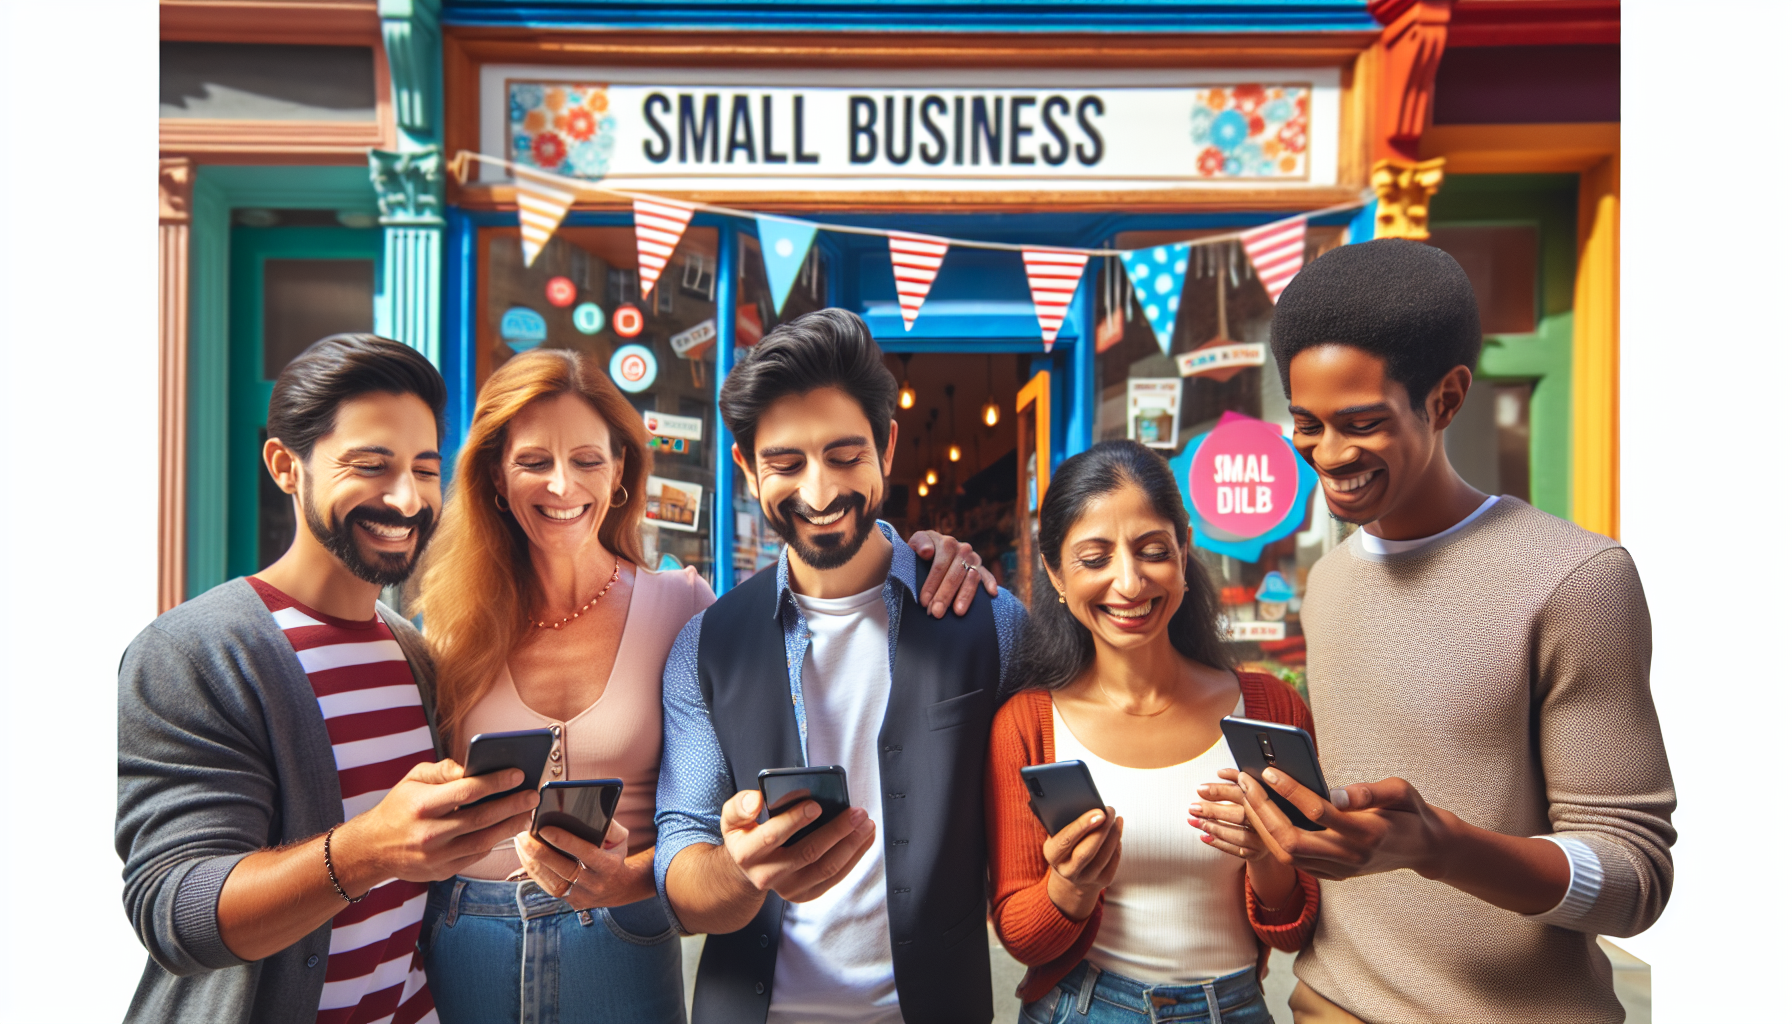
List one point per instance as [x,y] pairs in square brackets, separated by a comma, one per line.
[507,951]
[1090,995]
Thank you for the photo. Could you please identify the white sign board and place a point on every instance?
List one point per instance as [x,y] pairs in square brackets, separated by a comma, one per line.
[688,128]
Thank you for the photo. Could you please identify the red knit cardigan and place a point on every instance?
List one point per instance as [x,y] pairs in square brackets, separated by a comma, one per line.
[1030,925]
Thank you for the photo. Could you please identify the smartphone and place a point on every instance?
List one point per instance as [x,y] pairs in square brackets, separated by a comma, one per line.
[1060,793]
[826,785]
[583,807]
[1258,745]
[525,749]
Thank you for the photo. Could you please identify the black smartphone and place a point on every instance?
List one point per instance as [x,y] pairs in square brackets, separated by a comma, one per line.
[826,785]
[1060,793]
[583,807]
[1258,745]
[525,749]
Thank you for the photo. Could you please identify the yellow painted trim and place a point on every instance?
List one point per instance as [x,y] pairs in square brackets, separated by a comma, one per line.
[1038,393]
[1595,494]
[1593,152]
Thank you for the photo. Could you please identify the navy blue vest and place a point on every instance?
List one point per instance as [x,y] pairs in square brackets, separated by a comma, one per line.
[933,741]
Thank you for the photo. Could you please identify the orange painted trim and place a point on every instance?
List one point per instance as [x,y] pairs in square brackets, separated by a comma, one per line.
[314,22]
[1521,148]
[1038,393]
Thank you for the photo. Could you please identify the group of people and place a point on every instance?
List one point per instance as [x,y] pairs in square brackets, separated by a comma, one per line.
[301,841]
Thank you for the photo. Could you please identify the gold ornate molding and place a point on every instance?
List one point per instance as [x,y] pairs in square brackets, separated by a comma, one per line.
[1404,189]
[175,182]
[176,193]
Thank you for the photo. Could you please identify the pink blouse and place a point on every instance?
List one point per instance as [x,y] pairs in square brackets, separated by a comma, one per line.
[618,736]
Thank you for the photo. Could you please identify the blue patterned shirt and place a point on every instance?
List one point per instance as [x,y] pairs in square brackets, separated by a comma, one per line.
[694,776]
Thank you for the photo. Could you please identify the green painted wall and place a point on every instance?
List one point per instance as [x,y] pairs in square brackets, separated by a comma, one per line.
[1551,203]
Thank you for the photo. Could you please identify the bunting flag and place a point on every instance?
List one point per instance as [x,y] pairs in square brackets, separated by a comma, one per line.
[915,259]
[785,245]
[659,224]
[1052,276]
[1157,274]
[541,204]
[1276,251]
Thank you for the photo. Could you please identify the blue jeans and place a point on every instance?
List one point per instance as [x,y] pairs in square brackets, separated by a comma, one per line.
[1090,995]
[507,951]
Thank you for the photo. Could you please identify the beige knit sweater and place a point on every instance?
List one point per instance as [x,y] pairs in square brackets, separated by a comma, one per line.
[1504,672]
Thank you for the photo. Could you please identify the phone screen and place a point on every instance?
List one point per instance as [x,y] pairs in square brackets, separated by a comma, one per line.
[583,808]
[825,786]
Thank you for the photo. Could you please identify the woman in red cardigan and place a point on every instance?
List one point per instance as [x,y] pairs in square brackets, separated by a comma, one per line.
[1122,667]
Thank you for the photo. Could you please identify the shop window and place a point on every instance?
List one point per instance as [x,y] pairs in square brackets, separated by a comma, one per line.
[583,293]
[267,82]
[1501,263]
[1489,442]
[1221,300]
[755,542]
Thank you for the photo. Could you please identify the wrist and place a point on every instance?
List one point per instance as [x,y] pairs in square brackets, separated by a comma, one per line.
[355,859]
[1444,842]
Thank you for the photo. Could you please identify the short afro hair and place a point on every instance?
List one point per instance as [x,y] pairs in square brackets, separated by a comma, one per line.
[829,348]
[1406,302]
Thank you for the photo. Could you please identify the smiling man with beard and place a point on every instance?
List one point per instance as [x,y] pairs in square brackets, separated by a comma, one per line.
[281,807]
[831,659]
[1479,674]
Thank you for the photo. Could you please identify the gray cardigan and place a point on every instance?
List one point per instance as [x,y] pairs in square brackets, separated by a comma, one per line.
[222,751]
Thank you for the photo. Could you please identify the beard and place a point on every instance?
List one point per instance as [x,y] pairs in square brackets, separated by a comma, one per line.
[386,569]
[826,550]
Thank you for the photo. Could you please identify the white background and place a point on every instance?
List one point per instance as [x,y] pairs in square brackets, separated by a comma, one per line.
[1705,239]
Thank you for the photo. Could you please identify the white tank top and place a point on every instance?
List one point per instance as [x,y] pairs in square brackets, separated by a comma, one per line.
[1175,911]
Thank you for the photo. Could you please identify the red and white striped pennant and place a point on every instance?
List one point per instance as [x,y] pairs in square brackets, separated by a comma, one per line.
[1052,276]
[1276,251]
[915,259]
[541,204]
[659,224]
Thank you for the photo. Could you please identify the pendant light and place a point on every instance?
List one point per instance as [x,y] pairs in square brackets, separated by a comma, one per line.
[953,452]
[921,490]
[992,413]
[905,398]
[932,476]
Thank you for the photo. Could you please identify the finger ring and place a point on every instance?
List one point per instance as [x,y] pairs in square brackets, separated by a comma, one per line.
[573,882]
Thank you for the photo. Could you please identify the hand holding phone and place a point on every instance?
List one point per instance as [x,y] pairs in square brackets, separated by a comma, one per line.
[1082,848]
[793,800]
[784,788]
[583,807]
[1258,745]
[525,750]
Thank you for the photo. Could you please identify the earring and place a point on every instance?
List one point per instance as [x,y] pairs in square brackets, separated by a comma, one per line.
[1061,598]
[618,504]
[498,500]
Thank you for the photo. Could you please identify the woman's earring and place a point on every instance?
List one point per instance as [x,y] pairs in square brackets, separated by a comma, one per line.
[618,504]
[1061,597]
[498,500]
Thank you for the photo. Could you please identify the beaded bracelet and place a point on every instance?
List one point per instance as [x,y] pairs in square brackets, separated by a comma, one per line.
[331,868]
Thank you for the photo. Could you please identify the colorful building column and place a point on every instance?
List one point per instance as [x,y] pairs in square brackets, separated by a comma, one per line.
[175,182]
[1406,60]
[408,180]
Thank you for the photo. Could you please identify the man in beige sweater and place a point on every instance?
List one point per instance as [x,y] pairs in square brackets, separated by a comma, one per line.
[1486,662]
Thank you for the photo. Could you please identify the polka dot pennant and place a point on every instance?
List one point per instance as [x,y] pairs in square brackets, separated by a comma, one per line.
[1156,275]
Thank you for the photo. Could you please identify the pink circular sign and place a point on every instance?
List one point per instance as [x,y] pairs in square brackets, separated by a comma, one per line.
[1243,478]
[561,291]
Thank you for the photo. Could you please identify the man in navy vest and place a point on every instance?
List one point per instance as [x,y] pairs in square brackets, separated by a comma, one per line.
[878,916]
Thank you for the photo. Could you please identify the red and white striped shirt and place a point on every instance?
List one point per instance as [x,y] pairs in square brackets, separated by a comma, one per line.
[378,733]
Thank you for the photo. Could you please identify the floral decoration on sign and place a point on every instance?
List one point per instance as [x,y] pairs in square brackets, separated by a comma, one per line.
[1251,131]
[563,127]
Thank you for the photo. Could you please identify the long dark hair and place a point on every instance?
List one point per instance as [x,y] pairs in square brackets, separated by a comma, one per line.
[1055,648]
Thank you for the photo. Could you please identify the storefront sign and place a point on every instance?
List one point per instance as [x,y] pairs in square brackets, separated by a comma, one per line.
[561,291]
[1116,129]
[634,368]
[628,321]
[694,342]
[588,317]
[1151,404]
[673,504]
[522,328]
[1215,360]
[1244,486]
[665,424]
[1256,631]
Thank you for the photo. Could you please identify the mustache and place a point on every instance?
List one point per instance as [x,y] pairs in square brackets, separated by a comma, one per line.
[795,506]
[388,517]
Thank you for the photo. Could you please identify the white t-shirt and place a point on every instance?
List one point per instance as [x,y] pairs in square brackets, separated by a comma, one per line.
[1174,913]
[1381,546]
[834,962]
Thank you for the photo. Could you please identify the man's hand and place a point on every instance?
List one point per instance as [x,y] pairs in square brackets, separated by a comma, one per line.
[423,832]
[1371,827]
[801,872]
[957,570]
[1081,861]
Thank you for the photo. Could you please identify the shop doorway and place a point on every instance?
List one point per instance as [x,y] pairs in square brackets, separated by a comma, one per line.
[974,496]
[295,276]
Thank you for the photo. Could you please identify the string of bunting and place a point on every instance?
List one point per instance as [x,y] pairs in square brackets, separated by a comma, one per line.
[1053,272]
